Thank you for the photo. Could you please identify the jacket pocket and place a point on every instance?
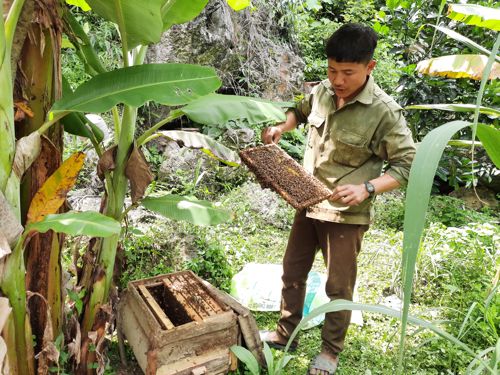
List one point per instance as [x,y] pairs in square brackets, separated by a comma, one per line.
[350,149]
[315,121]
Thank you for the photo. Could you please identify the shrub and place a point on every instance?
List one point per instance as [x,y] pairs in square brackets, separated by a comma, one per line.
[455,272]
[211,264]
[449,211]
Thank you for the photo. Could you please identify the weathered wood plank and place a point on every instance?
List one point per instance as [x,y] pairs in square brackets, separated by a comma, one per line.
[155,308]
[137,339]
[216,362]
[221,296]
[246,321]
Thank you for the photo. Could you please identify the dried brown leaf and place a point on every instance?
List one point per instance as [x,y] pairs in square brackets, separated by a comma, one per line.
[49,353]
[106,162]
[4,246]
[74,347]
[3,355]
[139,174]
[5,311]
[27,150]
[9,223]
[22,110]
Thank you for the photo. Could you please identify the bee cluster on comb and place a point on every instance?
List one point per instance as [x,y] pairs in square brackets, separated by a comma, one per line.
[276,170]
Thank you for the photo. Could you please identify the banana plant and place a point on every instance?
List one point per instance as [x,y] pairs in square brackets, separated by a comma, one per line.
[188,89]
[464,65]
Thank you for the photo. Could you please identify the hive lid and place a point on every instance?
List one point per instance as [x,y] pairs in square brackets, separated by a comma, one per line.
[276,170]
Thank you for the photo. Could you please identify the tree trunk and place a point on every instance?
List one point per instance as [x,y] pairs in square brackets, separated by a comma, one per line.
[37,85]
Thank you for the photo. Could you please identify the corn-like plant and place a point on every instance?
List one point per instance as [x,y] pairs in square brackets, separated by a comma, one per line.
[272,367]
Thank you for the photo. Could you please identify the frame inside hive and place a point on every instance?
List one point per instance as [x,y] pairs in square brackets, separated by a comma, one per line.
[178,299]
[276,170]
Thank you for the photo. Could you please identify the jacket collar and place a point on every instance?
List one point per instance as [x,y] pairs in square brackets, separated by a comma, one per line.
[365,96]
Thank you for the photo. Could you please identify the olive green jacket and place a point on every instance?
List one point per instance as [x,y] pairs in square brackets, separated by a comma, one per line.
[351,145]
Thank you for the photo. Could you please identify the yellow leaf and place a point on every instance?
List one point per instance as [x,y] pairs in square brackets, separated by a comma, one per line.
[53,192]
[458,66]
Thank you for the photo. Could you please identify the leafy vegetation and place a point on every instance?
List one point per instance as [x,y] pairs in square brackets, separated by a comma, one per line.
[456,263]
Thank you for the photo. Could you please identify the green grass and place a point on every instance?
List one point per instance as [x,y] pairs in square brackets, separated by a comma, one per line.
[454,271]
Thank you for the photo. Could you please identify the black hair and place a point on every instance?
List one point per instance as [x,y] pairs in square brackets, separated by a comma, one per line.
[352,42]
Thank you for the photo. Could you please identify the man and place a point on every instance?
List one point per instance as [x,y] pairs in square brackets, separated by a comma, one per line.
[354,129]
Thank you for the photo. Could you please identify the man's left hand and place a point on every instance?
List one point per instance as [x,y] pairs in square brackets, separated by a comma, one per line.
[350,195]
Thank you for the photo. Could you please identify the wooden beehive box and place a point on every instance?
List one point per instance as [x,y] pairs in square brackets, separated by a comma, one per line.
[277,170]
[176,324]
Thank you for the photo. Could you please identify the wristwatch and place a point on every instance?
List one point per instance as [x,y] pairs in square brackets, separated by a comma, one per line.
[369,188]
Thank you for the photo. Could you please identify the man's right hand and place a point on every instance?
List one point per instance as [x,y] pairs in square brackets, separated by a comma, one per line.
[271,134]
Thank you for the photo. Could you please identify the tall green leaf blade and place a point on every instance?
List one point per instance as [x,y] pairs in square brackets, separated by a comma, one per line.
[245,356]
[7,136]
[219,109]
[268,355]
[175,12]
[490,138]
[475,15]
[186,209]
[139,21]
[204,143]
[340,304]
[462,39]
[418,192]
[170,84]
[493,112]
[76,123]
[88,223]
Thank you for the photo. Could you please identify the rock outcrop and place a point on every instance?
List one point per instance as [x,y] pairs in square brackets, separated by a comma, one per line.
[249,49]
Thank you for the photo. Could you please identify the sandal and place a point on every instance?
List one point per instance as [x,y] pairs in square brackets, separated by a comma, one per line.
[322,363]
[265,336]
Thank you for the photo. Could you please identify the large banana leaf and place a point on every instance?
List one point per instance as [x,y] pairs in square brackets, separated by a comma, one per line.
[76,123]
[493,112]
[458,66]
[170,84]
[219,109]
[187,209]
[174,12]
[88,223]
[204,143]
[462,39]
[139,22]
[490,138]
[475,15]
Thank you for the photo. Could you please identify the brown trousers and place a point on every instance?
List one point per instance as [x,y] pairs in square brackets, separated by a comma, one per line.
[340,245]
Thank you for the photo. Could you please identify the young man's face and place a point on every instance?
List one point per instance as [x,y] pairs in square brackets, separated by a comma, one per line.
[348,78]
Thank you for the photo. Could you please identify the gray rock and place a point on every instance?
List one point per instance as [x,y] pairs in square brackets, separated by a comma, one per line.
[247,48]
